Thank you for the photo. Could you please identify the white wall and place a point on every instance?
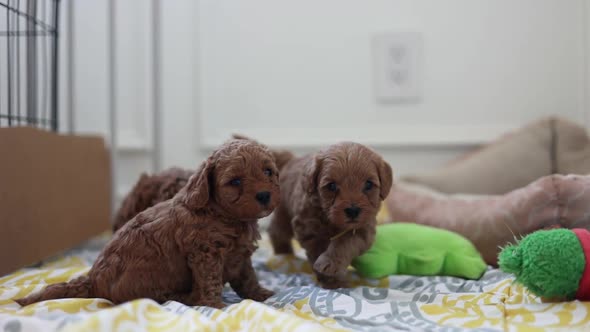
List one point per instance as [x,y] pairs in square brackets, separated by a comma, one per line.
[299,74]
[138,132]
[302,71]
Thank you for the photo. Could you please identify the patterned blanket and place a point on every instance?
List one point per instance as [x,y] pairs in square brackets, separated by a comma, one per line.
[397,303]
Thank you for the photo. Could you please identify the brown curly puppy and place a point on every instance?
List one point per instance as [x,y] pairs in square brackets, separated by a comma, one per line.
[329,202]
[186,248]
[149,191]
[152,189]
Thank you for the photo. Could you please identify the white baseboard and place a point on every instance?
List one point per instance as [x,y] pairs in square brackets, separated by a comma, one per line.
[376,136]
[132,141]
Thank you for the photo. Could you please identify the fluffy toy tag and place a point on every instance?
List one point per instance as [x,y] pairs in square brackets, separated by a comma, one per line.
[551,263]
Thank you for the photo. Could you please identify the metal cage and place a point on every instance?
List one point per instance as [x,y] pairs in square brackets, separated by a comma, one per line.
[29,62]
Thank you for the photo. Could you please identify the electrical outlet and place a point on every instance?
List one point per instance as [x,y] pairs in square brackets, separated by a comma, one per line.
[398,66]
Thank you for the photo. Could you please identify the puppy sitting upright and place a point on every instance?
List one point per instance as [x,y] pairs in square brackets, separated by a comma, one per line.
[186,248]
[329,202]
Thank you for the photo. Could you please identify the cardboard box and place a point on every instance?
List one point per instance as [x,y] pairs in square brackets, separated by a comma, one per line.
[55,192]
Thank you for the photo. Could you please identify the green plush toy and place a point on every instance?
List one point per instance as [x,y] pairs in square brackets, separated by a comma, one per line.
[551,263]
[412,249]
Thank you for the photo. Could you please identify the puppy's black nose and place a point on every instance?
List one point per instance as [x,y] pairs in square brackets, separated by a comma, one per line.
[263,197]
[352,212]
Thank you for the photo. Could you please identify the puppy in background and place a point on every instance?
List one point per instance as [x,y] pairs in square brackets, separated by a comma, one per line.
[186,248]
[329,203]
[149,191]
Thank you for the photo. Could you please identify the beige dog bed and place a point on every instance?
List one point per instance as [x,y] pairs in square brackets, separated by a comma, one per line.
[509,185]
[549,146]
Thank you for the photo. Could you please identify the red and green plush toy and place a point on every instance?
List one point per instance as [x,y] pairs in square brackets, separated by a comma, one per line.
[553,264]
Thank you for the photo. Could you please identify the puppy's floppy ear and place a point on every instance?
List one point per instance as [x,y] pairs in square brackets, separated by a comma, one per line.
[385,178]
[197,188]
[312,172]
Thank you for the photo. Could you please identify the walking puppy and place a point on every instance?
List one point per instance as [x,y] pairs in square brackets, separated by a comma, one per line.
[329,203]
[186,248]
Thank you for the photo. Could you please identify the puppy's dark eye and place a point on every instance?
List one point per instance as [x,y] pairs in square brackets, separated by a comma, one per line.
[268,172]
[332,187]
[369,185]
[235,182]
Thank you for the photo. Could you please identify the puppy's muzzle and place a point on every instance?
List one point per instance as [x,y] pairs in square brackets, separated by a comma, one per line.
[263,197]
[352,212]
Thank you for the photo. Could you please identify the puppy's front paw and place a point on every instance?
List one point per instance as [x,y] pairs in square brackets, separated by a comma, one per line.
[329,282]
[333,284]
[260,294]
[212,304]
[329,266]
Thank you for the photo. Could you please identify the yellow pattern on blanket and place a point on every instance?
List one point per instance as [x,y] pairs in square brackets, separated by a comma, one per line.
[398,302]
[102,315]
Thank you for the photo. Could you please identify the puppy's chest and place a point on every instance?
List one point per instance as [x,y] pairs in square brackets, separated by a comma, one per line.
[313,223]
[239,247]
[238,240]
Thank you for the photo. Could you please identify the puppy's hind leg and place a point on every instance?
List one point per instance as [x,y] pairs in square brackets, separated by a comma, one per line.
[281,231]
